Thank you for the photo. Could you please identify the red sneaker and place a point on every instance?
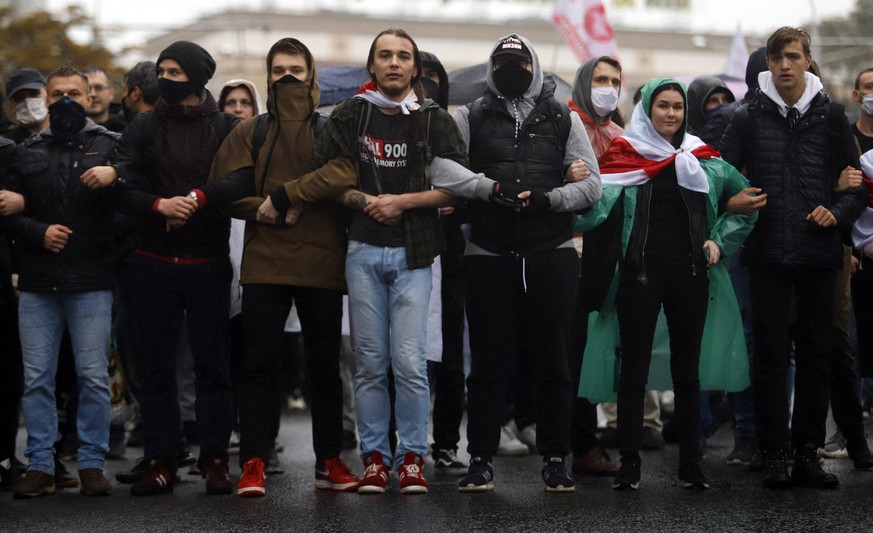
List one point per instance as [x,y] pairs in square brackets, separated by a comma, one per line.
[335,476]
[252,482]
[375,475]
[411,474]
[158,479]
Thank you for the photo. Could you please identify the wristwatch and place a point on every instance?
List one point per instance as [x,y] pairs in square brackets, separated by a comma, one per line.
[193,194]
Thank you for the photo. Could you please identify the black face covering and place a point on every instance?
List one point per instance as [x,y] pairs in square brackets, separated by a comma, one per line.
[431,89]
[67,118]
[287,78]
[128,112]
[174,92]
[512,80]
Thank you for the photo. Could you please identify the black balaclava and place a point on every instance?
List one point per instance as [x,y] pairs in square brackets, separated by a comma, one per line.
[67,118]
[437,93]
[197,64]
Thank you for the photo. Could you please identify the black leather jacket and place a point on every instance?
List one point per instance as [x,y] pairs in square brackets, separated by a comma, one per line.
[47,173]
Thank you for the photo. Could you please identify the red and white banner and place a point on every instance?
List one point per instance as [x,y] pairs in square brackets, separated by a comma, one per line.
[585,28]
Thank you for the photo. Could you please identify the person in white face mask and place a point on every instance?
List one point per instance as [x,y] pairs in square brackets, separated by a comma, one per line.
[596,90]
[26,95]
[863,95]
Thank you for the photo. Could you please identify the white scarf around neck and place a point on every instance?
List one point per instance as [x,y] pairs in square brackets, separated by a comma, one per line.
[409,103]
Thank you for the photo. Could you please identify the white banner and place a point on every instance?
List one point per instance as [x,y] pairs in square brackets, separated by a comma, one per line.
[738,56]
[585,28]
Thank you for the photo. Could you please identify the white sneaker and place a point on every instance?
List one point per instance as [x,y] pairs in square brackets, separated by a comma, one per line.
[528,436]
[509,443]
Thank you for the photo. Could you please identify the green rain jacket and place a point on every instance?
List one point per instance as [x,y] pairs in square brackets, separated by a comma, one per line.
[724,363]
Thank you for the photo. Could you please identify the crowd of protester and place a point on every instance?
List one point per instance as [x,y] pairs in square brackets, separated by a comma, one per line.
[160,262]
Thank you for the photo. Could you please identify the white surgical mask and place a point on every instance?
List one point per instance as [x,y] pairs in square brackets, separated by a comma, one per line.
[31,112]
[867,105]
[604,100]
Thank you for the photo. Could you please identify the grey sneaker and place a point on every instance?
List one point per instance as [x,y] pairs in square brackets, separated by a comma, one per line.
[274,466]
[509,443]
[835,447]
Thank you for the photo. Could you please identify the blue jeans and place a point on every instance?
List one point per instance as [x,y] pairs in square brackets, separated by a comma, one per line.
[42,317]
[388,306]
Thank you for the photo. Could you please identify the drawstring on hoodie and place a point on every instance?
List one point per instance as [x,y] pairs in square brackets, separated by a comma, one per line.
[524,273]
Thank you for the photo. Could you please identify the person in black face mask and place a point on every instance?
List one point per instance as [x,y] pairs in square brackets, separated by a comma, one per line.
[293,256]
[179,275]
[66,259]
[521,270]
[140,90]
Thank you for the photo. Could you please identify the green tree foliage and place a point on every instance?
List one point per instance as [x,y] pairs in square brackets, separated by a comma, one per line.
[42,41]
[847,46]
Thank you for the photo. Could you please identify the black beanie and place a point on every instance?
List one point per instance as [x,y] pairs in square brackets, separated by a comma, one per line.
[194,60]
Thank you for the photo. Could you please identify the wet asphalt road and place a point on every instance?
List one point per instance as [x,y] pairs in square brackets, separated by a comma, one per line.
[736,501]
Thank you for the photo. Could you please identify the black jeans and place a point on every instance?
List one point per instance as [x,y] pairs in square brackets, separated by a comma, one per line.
[771,287]
[160,298]
[536,296]
[264,311]
[448,407]
[684,296]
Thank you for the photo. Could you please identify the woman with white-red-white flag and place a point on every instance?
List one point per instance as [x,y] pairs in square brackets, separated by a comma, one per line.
[670,186]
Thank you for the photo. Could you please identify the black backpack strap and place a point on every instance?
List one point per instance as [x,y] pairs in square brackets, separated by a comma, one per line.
[319,119]
[219,120]
[262,127]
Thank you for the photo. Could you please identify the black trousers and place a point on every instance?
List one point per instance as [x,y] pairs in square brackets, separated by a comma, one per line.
[12,374]
[160,298]
[862,302]
[845,392]
[683,295]
[771,287]
[264,311]
[535,296]
[583,420]
[448,407]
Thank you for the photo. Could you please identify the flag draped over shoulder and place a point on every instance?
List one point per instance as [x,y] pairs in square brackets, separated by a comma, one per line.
[862,229]
[641,153]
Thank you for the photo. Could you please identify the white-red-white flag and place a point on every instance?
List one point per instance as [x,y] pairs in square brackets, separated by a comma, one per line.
[738,56]
[585,28]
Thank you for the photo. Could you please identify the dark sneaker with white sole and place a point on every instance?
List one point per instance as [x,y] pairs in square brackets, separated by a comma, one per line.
[628,477]
[555,475]
[447,462]
[479,478]
[691,477]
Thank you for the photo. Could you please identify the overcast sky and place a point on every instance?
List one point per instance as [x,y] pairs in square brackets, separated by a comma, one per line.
[134,20]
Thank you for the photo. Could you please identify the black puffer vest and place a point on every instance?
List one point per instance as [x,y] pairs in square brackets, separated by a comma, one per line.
[535,159]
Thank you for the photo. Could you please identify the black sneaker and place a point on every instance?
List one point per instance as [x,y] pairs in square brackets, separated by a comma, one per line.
[860,454]
[447,462]
[129,477]
[628,477]
[743,453]
[479,478]
[691,477]
[807,471]
[652,439]
[184,457]
[9,475]
[556,477]
[775,468]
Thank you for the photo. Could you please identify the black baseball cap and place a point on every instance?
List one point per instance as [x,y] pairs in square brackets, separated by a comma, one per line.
[512,44]
[26,78]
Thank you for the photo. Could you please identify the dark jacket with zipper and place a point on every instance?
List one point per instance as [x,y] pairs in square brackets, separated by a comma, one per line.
[47,173]
[534,158]
[797,163]
[695,207]
[168,152]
